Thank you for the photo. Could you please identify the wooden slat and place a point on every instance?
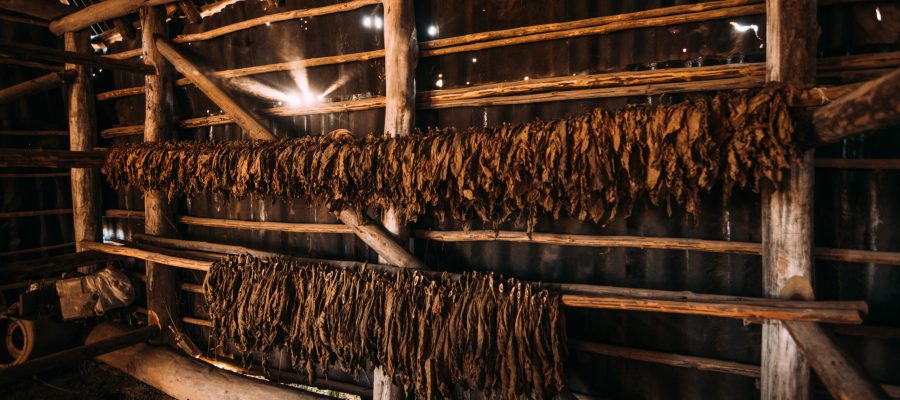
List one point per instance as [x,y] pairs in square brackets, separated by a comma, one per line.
[51,158]
[37,249]
[674,360]
[33,133]
[47,54]
[34,213]
[148,256]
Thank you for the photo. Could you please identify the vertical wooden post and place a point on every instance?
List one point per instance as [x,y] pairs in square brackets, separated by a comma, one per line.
[162,285]
[401,55]
[787,227]
[82,133]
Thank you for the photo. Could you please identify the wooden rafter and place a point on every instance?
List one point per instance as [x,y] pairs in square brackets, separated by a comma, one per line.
[47,54]
[873,105]
[37,85]
[97,12]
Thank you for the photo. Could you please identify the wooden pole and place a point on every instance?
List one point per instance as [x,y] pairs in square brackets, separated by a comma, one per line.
[82,137]
[675,360]
[98,12]
[51,158]
[162,281]
[37,85]
[190,11]
[47,54]
[787,230]
[844,378]
[400,57]
[244,118]
[874,105]
[43,9]
[380,240]
[184,378]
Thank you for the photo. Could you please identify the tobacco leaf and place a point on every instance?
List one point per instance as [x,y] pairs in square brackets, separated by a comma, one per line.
[595,165]
[498,336]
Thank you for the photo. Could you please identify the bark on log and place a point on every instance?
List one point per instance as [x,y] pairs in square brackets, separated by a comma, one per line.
[245,119]
[85,182]
[47,54]
[874,105]
[184,378]
[162,281]
[844,378]
[98,12]
[37,85]
[787,230]
[51,158]
[190,11]
[72,356]
[43,9]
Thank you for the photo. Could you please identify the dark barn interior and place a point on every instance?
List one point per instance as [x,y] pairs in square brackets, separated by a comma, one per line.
[257,199]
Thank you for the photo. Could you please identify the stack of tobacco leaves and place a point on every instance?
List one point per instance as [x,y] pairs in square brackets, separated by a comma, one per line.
[500,337]
[591,166]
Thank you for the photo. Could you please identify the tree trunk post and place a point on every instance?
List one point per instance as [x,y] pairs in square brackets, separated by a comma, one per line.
[787,226]
[82,137]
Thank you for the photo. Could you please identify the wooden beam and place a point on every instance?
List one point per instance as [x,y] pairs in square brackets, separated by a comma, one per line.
[82,137]
[83,58]
[380,240]
[37,175]
[844,378]
[22,20]
[43,9]
[244,118]
[33,133]
[41,249]
[214,8]
[874,105]
[26,370]
[162,281]
[674,360]
[145,255]
[53,265]
[184,378]
[34,213]
[37,85]
[98,12]
[190,11]
[51,158]
[271,226]
[787,230]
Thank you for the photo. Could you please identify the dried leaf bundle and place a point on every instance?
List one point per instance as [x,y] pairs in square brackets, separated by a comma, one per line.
[592,166]
[501,337]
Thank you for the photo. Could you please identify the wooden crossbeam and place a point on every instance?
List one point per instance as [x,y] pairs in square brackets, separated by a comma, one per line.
[98,12]
[51,158]
[43,9]
[37,85]
[47,54]
[873,105]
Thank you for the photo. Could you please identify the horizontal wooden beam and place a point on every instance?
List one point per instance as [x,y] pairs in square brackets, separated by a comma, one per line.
[34,213]
[37,85]
[43,9]
[35,175]
[33,133]
[5,60]
[99,12]
[292,227]
[41,249]
[55,264]
[644,242]
[48,54]
[874,105]
[72,356]
[51,158]
[22,20]
[617,298]
[858,163]
[844,377]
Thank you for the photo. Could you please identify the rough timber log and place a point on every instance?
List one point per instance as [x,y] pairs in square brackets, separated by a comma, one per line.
[190,11]
[24,51]
[72,356]
[244,118]
[184,378]
[162,282]
[37,85]
[874,105]
[43,9]
[787,230]
[51,158]
[82,137]
[844,378]
[400,58]
[98,12]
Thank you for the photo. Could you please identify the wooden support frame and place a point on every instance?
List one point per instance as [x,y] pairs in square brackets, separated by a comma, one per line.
[874,105]
[190,11]
[86,197]
[244,118]
[162,285]
[37,85]
[787,229]
[844,378]
[43,9]
[82,58]
[98,12]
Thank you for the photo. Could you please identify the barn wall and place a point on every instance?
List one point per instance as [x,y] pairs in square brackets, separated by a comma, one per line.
[854,209]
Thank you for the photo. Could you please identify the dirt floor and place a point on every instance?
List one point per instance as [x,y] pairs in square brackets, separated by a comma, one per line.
[90,380]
